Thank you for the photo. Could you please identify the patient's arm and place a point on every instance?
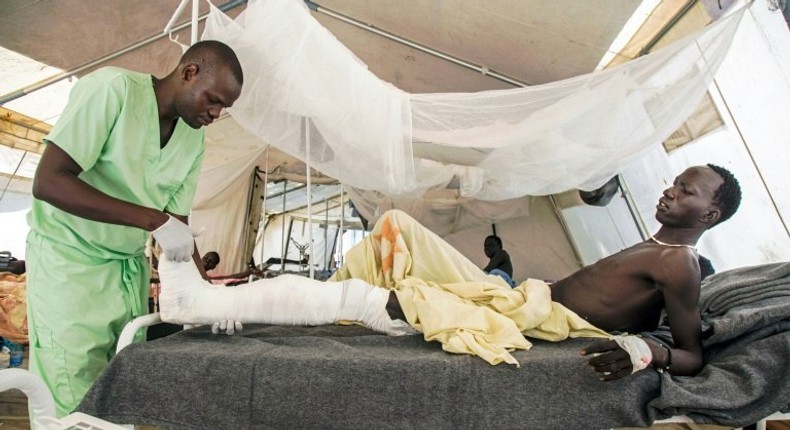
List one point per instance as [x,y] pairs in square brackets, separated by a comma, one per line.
[681,290]
[677,278]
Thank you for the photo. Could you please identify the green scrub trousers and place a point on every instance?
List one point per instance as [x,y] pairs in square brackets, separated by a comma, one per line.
[75,325]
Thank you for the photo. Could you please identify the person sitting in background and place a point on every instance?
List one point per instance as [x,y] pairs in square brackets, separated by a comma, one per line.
[211,261]
[499,260]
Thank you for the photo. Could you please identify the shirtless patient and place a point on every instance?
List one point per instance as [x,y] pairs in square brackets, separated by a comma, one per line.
[625,292]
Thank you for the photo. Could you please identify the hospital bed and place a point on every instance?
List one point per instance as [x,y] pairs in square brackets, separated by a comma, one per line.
[350,377]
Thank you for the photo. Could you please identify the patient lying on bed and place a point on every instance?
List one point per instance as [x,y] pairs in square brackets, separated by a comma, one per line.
[403,277]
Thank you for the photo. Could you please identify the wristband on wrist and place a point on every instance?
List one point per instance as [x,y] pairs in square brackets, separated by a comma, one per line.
[668,364]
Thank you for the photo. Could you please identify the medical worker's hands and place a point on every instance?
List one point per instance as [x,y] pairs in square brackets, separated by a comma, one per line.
[229,326]
[176,239]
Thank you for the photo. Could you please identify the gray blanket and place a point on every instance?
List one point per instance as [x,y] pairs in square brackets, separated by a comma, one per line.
[349,377]
[335,377]
[746,328]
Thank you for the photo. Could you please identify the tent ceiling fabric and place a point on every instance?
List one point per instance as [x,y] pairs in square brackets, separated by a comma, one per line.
[533,41]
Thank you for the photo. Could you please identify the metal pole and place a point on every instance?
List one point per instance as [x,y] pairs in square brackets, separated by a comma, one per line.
[284,240]
[263,210]
[195,21]
[326,235]
[632,208]
[348,20]
[564,225]
[306,123]
[342,231]
[13,174]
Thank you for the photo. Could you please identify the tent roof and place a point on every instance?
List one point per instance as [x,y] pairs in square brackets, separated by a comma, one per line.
[530,40]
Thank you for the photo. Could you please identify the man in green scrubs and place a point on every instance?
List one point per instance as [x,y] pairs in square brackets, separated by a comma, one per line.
[123,160]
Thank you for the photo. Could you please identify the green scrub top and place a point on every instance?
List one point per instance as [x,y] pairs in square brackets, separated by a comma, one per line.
[110,127]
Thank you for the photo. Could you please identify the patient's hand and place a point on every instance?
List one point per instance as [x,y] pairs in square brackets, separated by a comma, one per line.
[229,326]
[608,360]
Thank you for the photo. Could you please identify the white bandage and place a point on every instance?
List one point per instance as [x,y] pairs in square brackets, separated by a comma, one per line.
[186,298]
[637,349]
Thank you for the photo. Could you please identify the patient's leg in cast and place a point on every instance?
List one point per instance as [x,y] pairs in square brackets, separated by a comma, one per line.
[186,298]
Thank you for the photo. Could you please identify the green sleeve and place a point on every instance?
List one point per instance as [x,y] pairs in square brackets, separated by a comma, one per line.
[85,125]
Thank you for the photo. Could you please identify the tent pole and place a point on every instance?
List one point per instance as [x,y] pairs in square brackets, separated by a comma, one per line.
[342,221]
[564,225]
[195,21]
[632,208]
[263,211]
[326,235]
[284,240]
[306,123]
[247,220]
[356,23]
[179,10]
[22,159]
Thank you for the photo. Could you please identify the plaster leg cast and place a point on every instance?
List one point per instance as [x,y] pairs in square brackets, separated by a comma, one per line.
[186,298]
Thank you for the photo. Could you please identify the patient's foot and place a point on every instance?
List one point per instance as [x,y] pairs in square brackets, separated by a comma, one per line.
[369,304]
[185,297]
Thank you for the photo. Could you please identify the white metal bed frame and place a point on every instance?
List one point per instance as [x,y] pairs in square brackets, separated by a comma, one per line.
[42,406]
[128,333]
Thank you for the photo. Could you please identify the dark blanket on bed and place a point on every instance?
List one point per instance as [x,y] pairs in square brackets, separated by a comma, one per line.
[746,338]
[349,377]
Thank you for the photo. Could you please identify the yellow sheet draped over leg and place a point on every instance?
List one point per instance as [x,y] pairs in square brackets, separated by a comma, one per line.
[450,300]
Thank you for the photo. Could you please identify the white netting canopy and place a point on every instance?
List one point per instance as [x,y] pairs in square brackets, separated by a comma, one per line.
[303,88]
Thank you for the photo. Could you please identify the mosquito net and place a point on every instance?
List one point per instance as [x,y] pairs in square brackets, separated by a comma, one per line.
[308,95]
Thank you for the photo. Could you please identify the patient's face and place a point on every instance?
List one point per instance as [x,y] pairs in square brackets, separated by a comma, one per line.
[210,261]
[690,198]
[490,247]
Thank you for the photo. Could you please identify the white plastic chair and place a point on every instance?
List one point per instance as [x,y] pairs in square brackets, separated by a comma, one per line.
[42,406]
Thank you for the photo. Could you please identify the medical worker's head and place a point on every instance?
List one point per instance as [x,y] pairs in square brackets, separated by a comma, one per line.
[210,79]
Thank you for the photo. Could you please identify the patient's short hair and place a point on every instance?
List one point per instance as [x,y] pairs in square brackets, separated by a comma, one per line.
[728,195]
[496,239]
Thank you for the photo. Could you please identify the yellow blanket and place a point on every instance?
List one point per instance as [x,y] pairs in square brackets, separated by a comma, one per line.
[450,300]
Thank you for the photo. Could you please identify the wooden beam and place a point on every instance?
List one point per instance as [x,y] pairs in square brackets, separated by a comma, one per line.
[22,132]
